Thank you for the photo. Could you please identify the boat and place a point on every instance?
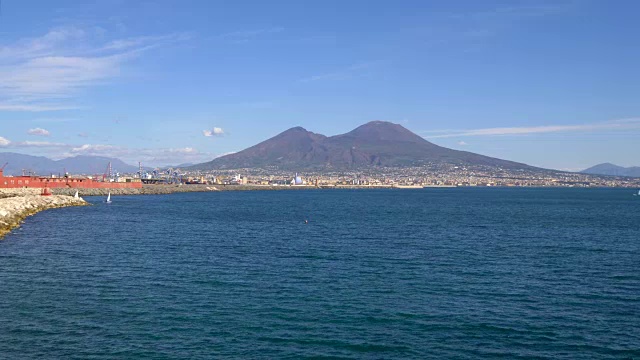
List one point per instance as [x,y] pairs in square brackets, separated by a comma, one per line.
[76,195]
[638,194]
[108,201]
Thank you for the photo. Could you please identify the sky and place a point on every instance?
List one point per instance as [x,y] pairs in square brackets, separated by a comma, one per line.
[554,84]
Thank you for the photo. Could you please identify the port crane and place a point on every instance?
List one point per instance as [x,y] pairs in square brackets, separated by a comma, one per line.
[108,174]
[173,177]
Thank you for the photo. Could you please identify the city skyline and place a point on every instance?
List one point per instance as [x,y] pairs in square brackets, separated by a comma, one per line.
[550,84]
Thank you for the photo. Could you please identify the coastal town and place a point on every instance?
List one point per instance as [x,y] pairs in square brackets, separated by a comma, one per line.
[434,175]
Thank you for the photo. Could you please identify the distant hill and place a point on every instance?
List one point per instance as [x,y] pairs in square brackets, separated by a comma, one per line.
[41,165]
[614,170]
[183,165]
[377,143]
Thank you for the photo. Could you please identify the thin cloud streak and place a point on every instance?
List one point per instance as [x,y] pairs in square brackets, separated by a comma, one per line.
[36,107]
[40,144]
[45,73]
[623,124]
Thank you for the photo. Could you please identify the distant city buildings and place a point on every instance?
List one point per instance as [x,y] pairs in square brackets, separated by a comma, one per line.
[422,176]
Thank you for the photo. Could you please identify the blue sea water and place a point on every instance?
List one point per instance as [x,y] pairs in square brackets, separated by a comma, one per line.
[375,274]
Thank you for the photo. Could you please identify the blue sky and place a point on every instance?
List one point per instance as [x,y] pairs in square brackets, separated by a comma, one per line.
[549,83]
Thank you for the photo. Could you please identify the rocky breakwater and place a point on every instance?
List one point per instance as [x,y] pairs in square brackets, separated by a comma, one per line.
[16,208]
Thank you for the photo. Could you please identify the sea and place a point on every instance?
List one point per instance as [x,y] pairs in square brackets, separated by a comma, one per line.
[458,273]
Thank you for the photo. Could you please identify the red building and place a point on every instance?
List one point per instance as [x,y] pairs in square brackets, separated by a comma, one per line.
[63,182]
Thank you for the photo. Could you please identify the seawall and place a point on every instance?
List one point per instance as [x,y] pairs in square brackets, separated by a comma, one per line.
[158,189]
[171,189]
[14,209]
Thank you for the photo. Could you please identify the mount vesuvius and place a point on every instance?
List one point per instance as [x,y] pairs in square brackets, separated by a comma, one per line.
[375,144]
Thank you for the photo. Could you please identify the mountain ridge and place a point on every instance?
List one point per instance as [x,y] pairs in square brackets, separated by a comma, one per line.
[80,164]
[376,143]
[612,170]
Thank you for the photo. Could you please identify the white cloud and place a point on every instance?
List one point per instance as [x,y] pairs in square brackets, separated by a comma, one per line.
[462,143]
[623,124]
[4,141]
[44,73]
[38,132]
[89,149]
[42,144]
[216,131]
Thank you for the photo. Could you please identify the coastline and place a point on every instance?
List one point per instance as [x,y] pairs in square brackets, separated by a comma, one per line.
[16,206]
[172,189]
[165,189]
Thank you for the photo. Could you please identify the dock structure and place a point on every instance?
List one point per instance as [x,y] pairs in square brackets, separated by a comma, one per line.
[40,182]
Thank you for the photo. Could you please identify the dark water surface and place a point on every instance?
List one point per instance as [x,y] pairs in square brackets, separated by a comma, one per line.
[433,273]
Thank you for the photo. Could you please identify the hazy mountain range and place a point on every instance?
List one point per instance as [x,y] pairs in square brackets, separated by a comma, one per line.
[376,143]
[41,165]
[614,170]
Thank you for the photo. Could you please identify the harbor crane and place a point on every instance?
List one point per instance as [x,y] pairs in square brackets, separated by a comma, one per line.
[108,173]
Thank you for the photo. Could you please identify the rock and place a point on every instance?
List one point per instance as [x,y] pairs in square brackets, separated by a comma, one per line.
[14,209]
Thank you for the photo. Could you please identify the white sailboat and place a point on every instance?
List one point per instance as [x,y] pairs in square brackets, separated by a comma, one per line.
[638,194]
[76,195]
[108,201]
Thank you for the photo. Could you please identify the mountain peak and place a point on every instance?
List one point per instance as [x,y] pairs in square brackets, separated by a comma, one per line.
[379,123]
[384,131]
[298,133]
[296,129]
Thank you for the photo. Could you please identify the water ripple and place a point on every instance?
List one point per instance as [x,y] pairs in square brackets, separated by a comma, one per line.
[415,274]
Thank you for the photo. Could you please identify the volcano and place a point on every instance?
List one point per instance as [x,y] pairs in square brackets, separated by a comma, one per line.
[374,144]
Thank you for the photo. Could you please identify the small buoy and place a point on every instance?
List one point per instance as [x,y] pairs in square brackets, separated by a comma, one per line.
[306,221]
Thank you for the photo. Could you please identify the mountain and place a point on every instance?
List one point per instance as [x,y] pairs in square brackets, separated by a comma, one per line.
[614,170]
[75,165]
[16,162]
[183,165]
[82,164]
[377,143]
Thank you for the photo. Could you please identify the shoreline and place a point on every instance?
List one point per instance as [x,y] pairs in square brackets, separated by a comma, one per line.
[172,189]
[17,206]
